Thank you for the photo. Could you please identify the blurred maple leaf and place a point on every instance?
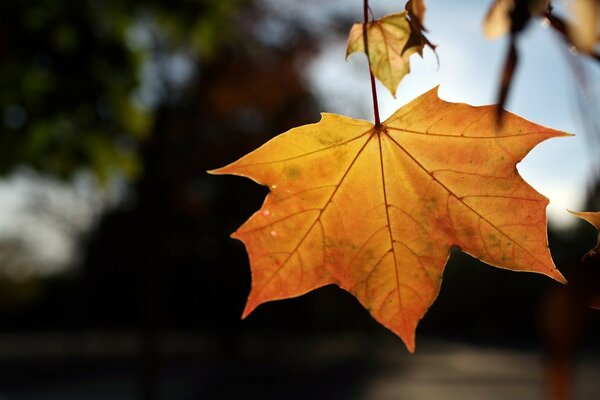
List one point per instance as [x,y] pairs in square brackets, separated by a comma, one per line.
[594,254]
[376,209]
[503,14]
[594,219]
[584,31]
[512,16]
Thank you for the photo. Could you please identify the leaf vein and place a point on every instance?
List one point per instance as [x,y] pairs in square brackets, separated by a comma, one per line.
[292,195]
[418,256]
[450,192]
[318,219]
[379,261]
[410,131]
[309,153]
[387,215]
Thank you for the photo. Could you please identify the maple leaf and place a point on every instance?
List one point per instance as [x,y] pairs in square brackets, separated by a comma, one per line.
[386,39]
[511,16]
[585,31]
[594,219]
[376,209]
[500,16]
[582,31]
[416,19]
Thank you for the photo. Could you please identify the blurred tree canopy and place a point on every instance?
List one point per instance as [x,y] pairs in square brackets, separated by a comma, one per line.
[81,78]
[159,93]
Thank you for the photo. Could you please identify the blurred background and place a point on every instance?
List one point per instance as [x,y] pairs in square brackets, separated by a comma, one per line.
[118,279]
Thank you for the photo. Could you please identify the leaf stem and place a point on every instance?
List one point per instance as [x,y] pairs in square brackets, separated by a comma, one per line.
[366,45]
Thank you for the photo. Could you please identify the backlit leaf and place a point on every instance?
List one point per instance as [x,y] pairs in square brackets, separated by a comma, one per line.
[585,30]
[377,209]
[499,18]
[386,39]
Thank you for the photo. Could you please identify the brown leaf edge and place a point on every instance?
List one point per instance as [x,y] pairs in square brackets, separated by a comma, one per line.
[415,10]
[594,253]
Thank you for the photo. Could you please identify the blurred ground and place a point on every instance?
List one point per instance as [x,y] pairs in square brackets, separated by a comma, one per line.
[100,366]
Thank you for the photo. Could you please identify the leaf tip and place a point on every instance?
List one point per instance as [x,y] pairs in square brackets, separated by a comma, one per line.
[250,306]
[245,313]
[559,277]
[591,217]
[433,91]
[407,336]
[555,274]
[219,171]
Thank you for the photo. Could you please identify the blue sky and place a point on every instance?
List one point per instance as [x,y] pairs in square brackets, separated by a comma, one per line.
[543,91]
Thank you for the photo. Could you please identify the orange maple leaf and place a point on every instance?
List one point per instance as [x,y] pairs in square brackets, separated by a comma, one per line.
[376,209]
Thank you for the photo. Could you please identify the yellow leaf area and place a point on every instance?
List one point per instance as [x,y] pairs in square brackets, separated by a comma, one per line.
[386,39]
[376,210]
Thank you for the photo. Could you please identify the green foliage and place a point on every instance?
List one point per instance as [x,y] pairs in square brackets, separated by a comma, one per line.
[70,97]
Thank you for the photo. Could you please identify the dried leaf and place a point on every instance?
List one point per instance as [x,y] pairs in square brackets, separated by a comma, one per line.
[584,32]
[386,39]
[497,20]
[500,18]
[594,219]
[376,209]
[416,8]
[510,16]
[416,20]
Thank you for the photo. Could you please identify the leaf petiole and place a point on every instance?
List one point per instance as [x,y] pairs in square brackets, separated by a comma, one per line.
[366,45]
